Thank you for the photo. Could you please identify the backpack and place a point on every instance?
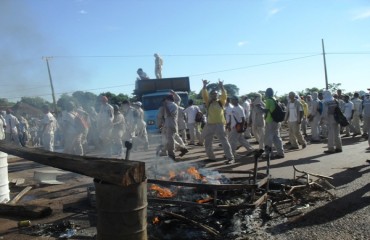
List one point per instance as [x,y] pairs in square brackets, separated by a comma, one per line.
[320,107]
[278,114]
[339,117]
[80,123]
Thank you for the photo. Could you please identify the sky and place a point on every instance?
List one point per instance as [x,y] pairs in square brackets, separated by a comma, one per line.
[97,45]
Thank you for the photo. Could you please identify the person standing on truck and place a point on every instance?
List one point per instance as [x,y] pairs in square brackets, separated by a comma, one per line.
[142,75]
[216,121]
[158,66]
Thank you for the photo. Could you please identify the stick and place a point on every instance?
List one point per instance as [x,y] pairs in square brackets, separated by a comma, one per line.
[316,175]
[206,228]
[20,195]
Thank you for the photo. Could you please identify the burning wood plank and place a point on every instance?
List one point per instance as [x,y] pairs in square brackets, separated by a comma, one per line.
[114,171]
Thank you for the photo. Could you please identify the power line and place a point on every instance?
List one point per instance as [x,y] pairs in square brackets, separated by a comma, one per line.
[202,55]
[256,65]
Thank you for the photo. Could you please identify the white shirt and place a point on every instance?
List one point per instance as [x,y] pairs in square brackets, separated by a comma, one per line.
[228,112]
[11,124]
[247,108]
[348,107]
[50,123]
[190,112]
[237,112]
[292,112]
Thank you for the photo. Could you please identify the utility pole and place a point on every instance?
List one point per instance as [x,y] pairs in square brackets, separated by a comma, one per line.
[326,74]
[51,85]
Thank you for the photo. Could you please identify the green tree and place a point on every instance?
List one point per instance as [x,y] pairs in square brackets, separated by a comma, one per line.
[84,99]
[63,99]
[231,89]
[333,87]
[37,102]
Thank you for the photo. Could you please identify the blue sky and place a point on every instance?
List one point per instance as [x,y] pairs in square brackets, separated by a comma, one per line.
[97,46]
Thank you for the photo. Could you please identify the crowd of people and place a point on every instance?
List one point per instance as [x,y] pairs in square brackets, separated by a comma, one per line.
[230,119]
[74,130]
[233,120]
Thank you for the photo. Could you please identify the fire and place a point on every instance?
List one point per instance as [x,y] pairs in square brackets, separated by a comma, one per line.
[155,220]
[162,192]
[172,175]
[195,173]
[205,200]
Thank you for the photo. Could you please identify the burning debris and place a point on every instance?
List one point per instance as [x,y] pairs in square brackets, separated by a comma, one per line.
[229,215]
[185,184]
[61,230]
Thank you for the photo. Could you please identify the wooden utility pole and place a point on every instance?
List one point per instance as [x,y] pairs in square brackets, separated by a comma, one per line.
[326,74]
[51,85]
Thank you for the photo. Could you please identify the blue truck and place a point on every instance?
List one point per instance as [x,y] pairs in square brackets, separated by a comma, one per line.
[151,92]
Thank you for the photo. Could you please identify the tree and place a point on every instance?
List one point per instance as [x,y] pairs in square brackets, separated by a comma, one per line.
[4,103]
[231,89]
[37,102]
[333,87]
[64,98]
[84,99]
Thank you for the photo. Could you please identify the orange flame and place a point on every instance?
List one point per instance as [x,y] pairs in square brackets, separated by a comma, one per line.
[204,200]
[195,173]
[155,220]
[172,175]
[162,192]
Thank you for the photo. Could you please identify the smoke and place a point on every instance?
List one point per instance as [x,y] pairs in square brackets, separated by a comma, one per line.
[23,72]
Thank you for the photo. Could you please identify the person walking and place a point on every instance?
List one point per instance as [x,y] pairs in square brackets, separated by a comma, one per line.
[247,111]
[2,125]
[193,126]
[356,120]
[334,140]
[272,129]
[71,135]
[348,113]
[258,120]
[216,121]
[49,126]
[117,132]
[105,125]
[141,138]
[293,117]
[11,130]
[366,116]
[236,133]
[314,118]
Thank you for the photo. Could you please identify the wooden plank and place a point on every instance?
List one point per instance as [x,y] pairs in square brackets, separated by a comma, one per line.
[26,211]
[20,195]
[119,172]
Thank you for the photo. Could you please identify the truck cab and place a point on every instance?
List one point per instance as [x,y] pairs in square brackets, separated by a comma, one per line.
[152,92]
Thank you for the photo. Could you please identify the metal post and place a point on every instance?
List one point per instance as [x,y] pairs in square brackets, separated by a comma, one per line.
[326,74]
[51,85]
